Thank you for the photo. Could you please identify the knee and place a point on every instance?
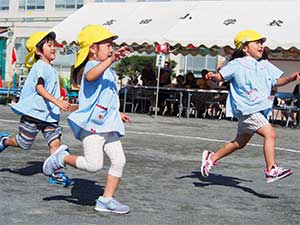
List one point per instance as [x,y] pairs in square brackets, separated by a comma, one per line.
[272,134]
[120,163]
[94,167]
[239,145]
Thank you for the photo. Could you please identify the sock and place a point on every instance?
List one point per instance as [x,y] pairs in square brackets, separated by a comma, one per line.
[104,199]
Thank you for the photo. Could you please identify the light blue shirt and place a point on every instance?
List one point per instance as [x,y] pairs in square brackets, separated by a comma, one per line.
[31,103]
[99,104]
[251,82]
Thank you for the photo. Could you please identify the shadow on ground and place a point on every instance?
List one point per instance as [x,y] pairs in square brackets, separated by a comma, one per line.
[35,167]
[83,192]
[217,179]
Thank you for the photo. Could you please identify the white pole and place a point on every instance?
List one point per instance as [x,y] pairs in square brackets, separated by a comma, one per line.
[157,91]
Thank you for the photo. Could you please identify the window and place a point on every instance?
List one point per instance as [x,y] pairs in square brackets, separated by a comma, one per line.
[197,63]
[31,4]
[68,4]
[4,5]
[20,46]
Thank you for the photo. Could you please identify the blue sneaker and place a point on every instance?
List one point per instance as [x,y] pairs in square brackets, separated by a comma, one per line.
[3,136]
[55,161]
[111,205]
[60,178]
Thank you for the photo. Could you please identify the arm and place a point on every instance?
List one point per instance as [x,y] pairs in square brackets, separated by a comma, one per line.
[124,117]
[98,70]
[64,105]
[287,79]
[214,76]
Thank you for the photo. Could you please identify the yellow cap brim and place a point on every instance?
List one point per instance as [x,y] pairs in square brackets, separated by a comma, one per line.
[81,56]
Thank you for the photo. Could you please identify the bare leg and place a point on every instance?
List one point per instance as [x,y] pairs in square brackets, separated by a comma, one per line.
[111,185]
[239,142]
[54,145]
[269,135]
[71,160]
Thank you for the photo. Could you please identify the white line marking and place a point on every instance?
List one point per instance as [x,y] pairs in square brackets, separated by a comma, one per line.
[180,136]
[206,139]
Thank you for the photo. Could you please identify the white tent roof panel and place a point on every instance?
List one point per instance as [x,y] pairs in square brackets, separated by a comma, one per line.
[208,23]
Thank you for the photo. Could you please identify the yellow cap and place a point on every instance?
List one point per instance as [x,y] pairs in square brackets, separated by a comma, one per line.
[247,36]
[31,44]
[89,35]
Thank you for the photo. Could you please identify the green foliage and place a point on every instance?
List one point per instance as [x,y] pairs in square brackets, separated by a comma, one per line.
[129,65]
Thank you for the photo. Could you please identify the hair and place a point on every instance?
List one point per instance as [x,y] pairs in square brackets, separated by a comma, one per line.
[204,72]
[77,72]
[238,53]
[40,45]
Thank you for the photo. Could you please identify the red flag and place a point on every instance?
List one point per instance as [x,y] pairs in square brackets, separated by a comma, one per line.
[13,56]
[162,48]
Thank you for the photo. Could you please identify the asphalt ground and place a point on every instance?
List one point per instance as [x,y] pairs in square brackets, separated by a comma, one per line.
[161,181]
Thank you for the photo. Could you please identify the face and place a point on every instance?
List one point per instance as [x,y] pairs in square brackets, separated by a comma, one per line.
[254,49]
[102,50]
[49,51]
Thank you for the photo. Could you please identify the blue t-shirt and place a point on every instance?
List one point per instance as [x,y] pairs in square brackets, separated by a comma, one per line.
[99,104]
[31,103]
[251,82]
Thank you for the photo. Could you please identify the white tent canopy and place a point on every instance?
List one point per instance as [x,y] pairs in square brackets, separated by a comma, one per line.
[200,23]
[134,22]
[216,23]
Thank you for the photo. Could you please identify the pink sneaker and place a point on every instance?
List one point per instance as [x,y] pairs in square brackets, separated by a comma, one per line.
[277,173]
[207,163]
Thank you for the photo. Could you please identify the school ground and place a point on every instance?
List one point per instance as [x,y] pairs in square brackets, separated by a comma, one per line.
[161,181]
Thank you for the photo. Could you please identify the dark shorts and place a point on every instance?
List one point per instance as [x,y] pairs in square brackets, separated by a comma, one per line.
[29,127]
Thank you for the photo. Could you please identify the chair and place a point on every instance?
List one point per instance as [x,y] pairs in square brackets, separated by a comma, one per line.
[142,98]
[295,109]
[128,98]
[172,102]
[215,107]
[283,104]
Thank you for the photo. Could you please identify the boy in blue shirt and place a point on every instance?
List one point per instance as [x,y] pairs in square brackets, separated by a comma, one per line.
[40,103]
[251,78]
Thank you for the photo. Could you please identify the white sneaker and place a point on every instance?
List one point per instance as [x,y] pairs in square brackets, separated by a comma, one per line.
[55,161]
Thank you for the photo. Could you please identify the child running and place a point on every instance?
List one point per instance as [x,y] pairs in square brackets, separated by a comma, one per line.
[39,104]
[97,122]
[251,78]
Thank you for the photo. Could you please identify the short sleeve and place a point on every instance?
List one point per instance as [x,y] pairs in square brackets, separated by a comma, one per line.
[229,70]
[40,71]
[90,65]
[274,72]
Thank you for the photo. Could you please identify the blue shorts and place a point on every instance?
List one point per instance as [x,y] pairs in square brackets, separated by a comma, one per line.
[29,127]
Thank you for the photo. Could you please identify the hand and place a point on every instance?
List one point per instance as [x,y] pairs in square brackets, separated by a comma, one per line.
[121,53]
[210,76]
[294,76]
[124,117]
[62,104]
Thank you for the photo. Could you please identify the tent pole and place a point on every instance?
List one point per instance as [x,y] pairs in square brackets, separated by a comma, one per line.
[157,91]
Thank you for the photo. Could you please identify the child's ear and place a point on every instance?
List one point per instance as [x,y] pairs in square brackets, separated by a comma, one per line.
[93,48]
[38,52]
[245,49]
